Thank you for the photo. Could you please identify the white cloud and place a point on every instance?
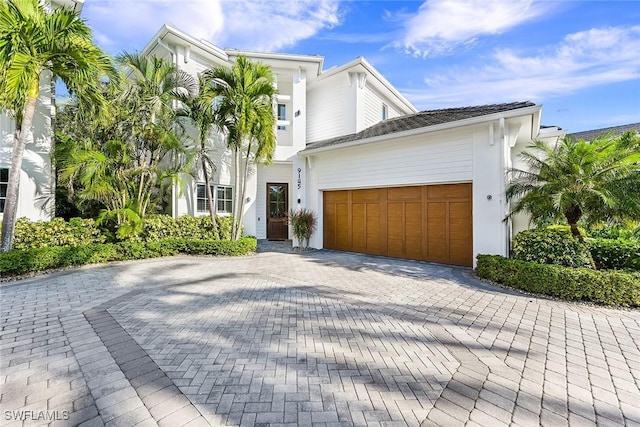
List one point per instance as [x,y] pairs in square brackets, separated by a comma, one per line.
[245,24]
[440,26]
[272,25]
[582,60]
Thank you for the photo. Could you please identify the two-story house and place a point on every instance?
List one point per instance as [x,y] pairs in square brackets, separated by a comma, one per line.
[383,178]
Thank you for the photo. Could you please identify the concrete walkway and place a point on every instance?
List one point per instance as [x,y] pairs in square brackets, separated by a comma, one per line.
[320,338]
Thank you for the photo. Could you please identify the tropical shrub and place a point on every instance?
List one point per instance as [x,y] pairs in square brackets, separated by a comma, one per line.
[157,227]
[56,232]
[614,288]
[579,181]
[79,231]
[552,245]
[615,253]
[17,262]
[304,223]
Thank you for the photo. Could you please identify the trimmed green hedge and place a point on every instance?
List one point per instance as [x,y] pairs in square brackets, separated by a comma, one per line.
[575,284]
[16,262]
[57,232]
[615,253]
[551,245]
[78,231]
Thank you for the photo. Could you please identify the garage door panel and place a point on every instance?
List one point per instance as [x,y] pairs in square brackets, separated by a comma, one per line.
[332,197]
[460,210]
[329,234]
[449,191]
[413,248]
[359,227]
[461,252]
[342,226]
[404,193]
[432,223]
[369,195]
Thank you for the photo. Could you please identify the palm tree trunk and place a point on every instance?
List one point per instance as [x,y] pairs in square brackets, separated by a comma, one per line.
[237,205]
[212,212]
[13,186]
[575,232]
[245,178]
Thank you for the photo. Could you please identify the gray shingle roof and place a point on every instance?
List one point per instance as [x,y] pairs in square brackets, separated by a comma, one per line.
[419,120]
[589,135]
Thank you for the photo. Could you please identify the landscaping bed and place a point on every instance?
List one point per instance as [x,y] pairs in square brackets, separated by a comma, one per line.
[606,287]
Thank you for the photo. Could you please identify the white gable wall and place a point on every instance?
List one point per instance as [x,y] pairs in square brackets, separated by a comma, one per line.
[325,104]
[373,107]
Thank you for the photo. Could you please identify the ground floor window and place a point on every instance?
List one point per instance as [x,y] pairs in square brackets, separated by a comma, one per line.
[201,198]
[4,182]
[223,198]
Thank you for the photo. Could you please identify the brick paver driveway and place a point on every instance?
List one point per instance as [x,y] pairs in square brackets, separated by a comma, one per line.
[324,338]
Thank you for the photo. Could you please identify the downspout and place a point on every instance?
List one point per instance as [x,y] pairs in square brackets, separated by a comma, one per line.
[174,190]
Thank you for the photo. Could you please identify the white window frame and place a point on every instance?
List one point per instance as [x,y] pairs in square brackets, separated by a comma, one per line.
[198,198]
[224,200]
[385,111]
[281,118]
[215,188]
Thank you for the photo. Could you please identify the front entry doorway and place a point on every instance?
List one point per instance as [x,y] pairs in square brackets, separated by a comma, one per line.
[277,208]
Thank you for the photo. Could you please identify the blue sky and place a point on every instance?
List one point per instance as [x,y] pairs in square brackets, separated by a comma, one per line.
[579,59]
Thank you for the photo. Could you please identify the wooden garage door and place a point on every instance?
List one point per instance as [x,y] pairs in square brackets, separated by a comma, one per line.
[430,223]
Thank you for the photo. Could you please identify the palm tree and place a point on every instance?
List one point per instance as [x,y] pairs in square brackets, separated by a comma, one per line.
[121,162]
[156,85]
[200,109]
[32,43]
[595,181]
[246,96]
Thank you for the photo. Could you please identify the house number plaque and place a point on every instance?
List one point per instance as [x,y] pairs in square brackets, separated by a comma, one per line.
[299,178]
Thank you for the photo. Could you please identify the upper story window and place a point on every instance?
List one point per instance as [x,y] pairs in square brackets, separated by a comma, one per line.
[4,182]
[282,115]
[385,111]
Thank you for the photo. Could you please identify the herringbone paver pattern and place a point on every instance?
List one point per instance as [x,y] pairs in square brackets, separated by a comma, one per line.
[323,338]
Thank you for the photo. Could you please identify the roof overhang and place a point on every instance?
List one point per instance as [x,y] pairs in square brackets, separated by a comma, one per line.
[168,34]
[75,5]
[535,109]
[311,64]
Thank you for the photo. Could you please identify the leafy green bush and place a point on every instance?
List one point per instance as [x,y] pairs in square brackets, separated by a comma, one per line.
[16,261]
[552,245]
[157,227]
[615,254]
[578,284]
[80,231]
[56,232]
[614,231]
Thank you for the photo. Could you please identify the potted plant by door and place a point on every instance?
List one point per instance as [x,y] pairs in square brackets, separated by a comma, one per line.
[304,223]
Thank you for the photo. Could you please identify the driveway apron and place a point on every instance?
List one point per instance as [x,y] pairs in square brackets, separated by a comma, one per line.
[317,338]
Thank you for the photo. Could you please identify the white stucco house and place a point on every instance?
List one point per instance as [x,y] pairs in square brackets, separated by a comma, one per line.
[383,178]
[36,197]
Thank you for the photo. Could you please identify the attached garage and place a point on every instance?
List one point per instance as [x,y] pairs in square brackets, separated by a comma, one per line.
[428,222]
[428,186]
